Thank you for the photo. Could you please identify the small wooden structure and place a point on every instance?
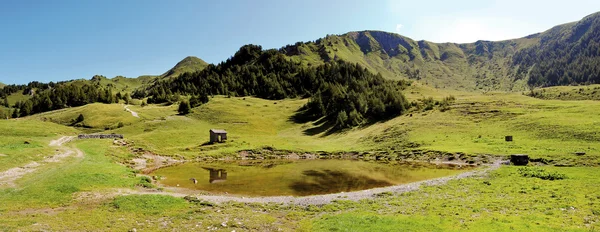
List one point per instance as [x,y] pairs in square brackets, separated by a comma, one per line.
[519,159]
[508,138]
[218,136]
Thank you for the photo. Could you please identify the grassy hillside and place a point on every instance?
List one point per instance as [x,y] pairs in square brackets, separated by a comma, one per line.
[98,116]
[92,188]
[98,191]
[122,84]
[2,85]
[15,97]
[27,140]
[572,93]
[481,66]
[475,124]
[188,64]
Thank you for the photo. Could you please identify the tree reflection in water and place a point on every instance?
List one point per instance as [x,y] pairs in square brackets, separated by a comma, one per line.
[329,181]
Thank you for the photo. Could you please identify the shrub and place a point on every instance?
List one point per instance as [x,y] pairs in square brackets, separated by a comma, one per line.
[541,173]
[145,182]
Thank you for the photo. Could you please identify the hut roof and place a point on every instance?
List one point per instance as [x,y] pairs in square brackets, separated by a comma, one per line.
[218,131]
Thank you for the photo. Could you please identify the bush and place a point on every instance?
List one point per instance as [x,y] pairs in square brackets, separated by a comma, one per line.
[145,182]
[541,173]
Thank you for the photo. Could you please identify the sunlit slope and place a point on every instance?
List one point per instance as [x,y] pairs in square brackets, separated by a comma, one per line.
[97,116]
[26,140]
[475,124]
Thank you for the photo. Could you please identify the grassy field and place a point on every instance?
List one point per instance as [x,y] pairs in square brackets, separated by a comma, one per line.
[475,124]
[503,201]
[26,140]
[15,97]
[79,192]
[54,184]
[97,116]
[590,92]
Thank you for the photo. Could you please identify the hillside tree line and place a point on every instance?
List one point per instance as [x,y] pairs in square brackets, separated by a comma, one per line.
[344,93]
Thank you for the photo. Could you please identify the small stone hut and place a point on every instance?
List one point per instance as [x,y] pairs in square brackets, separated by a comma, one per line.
[218,136]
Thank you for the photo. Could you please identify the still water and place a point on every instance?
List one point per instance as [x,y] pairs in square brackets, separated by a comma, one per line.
[296,177]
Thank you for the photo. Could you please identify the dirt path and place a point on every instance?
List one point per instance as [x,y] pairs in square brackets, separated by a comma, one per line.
[135,114]
[8,177]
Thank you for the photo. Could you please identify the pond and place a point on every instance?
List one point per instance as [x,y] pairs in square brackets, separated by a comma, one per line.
[296,177]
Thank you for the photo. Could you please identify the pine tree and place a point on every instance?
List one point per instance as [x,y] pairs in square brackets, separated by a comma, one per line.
[184,107]
[80,118]
[15,113]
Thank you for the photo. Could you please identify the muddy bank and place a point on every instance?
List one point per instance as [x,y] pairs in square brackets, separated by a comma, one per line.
[414,155]
[147,161]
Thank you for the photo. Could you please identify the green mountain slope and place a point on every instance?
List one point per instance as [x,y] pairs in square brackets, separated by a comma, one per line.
[483,65]
[2,85]
[188,64]
[566,54]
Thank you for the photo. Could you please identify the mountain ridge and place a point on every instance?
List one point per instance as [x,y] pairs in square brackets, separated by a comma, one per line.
[188,64]
[479,66]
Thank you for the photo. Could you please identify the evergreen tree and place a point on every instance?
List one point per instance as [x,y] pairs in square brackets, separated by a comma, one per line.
[15,113]
[184,107]
[342,117]
[80,118]
[127,98]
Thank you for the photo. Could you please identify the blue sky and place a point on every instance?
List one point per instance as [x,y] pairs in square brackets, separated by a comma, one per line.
[62,40]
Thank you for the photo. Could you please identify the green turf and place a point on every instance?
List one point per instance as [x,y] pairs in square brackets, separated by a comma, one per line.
[23,141]
[590,92]
[98,116]
[50,198]
[505,201]
[54,184]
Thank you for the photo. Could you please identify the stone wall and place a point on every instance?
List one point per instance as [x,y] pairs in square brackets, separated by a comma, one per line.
[100,136]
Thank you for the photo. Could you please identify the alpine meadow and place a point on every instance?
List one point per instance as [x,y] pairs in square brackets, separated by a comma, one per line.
[361,131]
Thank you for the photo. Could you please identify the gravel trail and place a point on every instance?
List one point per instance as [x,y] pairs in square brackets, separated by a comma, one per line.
[135,114]
[8,177]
